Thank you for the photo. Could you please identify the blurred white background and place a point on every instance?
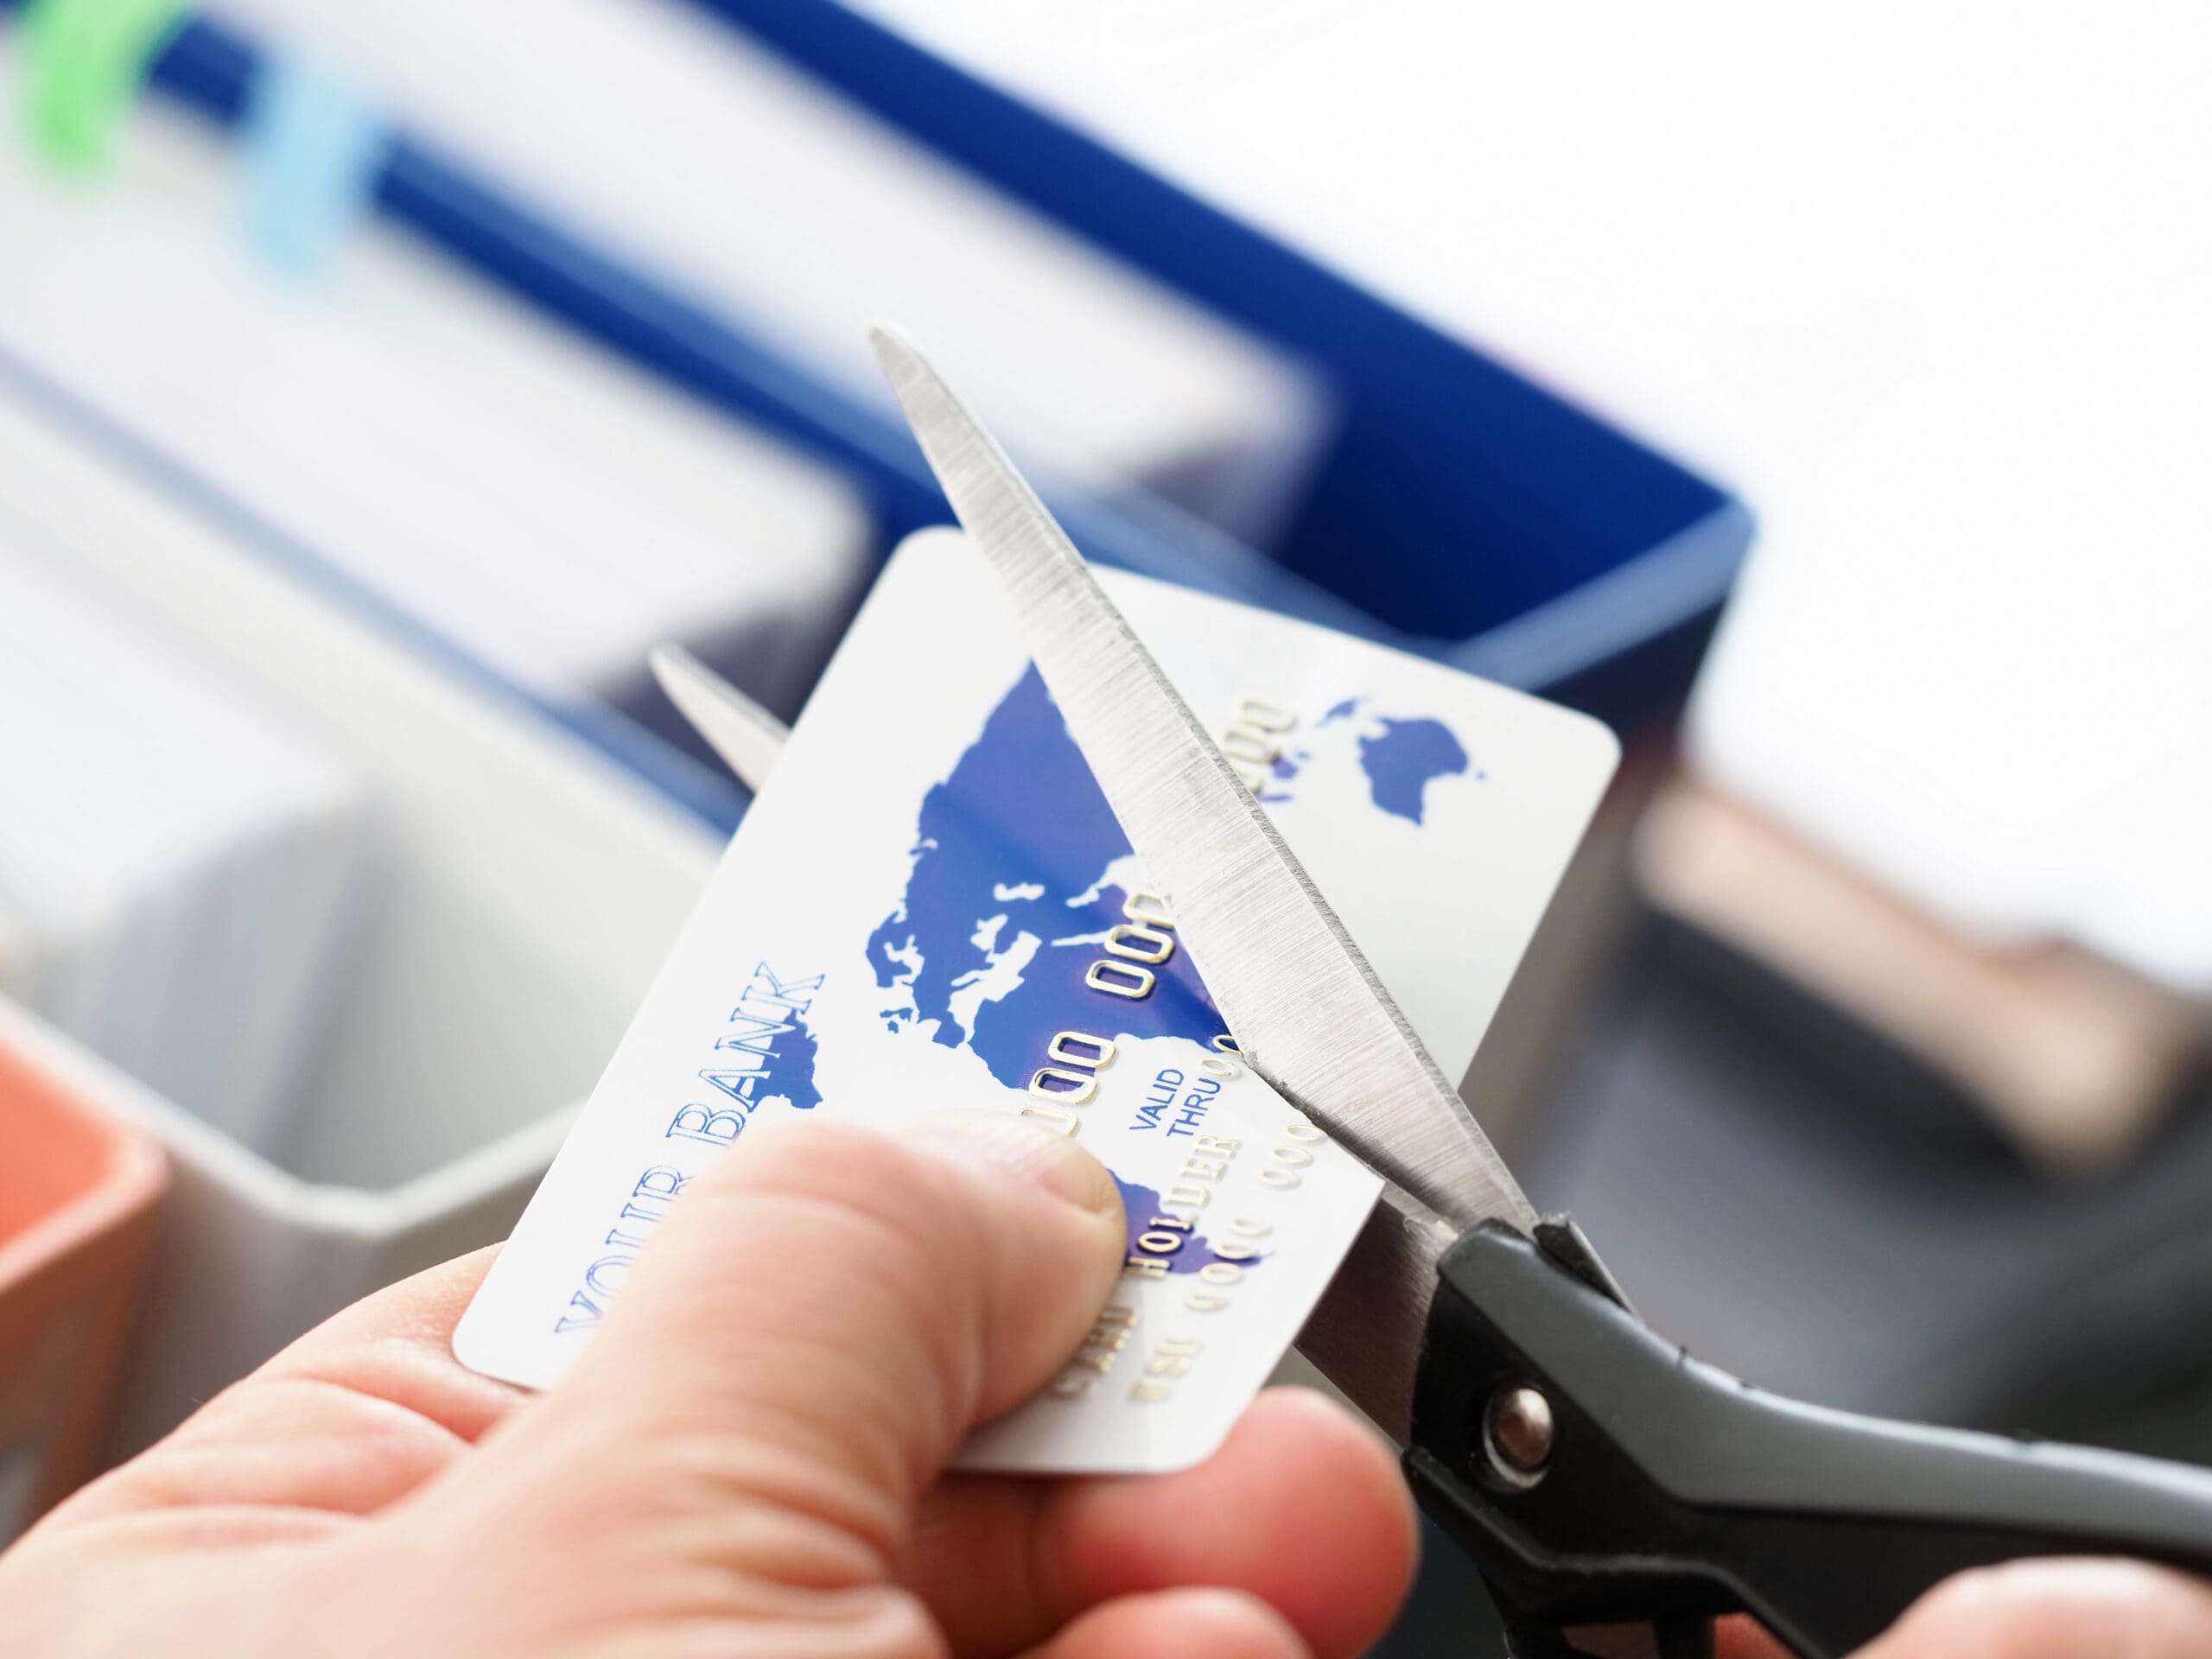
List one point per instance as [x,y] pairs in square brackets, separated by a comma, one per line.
[1926,283]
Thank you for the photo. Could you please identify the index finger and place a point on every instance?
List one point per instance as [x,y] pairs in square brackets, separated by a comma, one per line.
[349,1418]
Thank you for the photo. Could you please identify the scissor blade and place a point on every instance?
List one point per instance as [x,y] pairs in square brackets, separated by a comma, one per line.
[746,736]
[1366,1333]
[1306,1008]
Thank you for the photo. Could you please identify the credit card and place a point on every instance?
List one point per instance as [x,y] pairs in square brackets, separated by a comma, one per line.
[931,905]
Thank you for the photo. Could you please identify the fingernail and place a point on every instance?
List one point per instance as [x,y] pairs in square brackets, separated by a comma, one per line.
[1019,1147]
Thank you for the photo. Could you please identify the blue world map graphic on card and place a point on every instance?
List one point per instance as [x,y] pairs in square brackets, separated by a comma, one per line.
[1019,870]
[1401,758]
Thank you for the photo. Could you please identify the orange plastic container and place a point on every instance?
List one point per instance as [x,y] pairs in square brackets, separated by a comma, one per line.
[77,1197]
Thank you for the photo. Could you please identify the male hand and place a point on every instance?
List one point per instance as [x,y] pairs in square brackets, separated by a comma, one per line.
[747,1460]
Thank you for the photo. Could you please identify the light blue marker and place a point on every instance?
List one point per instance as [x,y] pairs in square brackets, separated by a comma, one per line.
[314,149]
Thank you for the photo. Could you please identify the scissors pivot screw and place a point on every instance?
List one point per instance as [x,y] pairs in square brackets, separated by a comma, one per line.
[1517,1434]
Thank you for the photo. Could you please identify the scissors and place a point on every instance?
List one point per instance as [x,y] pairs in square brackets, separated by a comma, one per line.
[1616,1494]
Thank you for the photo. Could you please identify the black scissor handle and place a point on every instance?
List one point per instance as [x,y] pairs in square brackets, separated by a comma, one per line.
[1597,1474]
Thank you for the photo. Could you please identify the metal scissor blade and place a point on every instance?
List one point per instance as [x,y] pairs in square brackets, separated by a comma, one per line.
[1366,1333]
[1307,1010]
[746,736]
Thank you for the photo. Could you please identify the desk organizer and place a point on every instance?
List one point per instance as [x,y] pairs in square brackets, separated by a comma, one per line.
[77,1197]
[529,888]
[1454,508]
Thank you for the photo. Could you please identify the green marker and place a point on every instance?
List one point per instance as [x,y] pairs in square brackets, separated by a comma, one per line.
[83,62]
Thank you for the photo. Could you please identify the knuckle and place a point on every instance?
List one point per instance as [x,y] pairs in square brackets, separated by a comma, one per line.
[1982,1598]
[2029,1609]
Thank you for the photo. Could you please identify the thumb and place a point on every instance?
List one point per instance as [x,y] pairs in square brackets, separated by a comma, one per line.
[824,1316]
[2057,1609]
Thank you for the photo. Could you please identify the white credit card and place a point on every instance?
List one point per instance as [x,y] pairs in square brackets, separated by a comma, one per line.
[931,906]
